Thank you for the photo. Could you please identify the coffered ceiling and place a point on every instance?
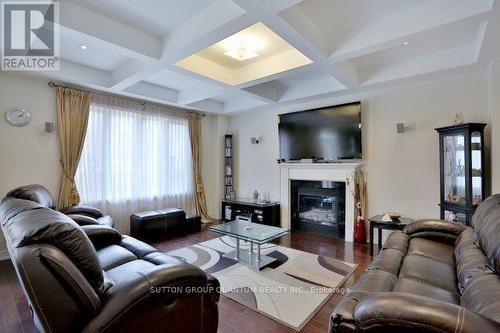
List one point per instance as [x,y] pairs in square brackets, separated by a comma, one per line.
[145,49]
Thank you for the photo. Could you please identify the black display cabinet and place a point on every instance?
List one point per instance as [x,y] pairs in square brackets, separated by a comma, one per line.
[461,155]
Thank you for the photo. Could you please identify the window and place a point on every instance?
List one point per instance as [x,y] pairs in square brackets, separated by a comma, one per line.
[135,158]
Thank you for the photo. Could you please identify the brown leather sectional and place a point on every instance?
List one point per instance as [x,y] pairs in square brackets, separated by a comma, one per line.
[435,276]
[93,279]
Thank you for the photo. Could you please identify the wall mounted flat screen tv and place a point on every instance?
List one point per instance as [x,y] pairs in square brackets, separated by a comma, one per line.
[329,133]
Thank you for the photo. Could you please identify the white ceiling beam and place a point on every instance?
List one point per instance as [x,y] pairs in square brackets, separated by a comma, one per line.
[312,88]
[132,72]
[83,24]
[144,89]
[392,31]
[435,62]
[303,25]
[208,105]
[270,91]
[243,103]
[198,93]
[77,74]
[277,6]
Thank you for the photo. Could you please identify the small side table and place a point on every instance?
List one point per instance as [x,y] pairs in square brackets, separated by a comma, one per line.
[376,222]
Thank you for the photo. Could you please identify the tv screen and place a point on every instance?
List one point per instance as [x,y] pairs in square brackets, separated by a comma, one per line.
[327,133]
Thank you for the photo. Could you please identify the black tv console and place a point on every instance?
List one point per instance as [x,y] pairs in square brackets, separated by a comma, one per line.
[257,212]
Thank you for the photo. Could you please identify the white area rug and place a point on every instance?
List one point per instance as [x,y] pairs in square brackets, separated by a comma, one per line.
[291,290]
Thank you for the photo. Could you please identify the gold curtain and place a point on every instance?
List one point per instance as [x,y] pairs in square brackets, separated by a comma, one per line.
[194,124]
[72,117]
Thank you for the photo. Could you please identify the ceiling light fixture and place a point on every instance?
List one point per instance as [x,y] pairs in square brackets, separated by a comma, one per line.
[241,54]
[242,49]
[405,43]
[83,47]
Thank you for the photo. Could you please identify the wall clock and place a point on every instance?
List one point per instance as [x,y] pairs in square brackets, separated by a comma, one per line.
[17,116]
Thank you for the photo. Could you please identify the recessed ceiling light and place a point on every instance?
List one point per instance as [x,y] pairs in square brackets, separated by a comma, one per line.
[405,43]
[83,47]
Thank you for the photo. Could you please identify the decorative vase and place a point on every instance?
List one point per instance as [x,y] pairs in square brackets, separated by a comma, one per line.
[360,231]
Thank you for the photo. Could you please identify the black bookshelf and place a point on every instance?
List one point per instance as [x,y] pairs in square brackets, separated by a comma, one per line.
[228,166]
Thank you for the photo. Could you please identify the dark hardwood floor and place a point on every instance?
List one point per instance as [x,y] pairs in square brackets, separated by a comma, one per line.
[15,315]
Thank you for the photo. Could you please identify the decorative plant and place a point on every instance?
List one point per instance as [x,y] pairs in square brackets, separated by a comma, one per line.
[358,191]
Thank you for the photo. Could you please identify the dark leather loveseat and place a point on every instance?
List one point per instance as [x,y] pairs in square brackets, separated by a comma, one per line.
[435,276]
[93,279]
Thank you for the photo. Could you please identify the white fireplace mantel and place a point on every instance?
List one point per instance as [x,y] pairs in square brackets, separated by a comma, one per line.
[338,172]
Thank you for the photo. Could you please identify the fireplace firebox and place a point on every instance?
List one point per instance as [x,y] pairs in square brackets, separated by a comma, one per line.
[318,207]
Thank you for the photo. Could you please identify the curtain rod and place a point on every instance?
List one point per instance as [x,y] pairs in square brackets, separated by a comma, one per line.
[52,84]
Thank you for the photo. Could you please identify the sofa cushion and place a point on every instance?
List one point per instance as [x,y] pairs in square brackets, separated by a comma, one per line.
[129,271]
[10,208]
[388,260]
[138,248]
[102,236]
[423,289]
[113,256]
[432,249]
[486,223]
[36,193]
[397,241]
[159,258]
[429,271]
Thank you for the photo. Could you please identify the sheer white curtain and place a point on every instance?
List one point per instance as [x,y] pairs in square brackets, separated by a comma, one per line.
[135,158]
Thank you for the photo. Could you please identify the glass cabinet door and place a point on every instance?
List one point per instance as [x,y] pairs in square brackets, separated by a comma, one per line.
[477,168]
[454,168]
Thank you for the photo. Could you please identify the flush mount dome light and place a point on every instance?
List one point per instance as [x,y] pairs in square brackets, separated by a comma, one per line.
[241,53]
[243,48]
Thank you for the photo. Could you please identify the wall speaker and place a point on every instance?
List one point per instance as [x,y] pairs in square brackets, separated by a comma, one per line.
[49,127]
[256,141]
[400,127]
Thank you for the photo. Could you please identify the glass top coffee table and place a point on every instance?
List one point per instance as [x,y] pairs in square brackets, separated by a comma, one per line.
[254,233]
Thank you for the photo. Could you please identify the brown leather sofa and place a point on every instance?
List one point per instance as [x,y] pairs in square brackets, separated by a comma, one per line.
[82,215]
[93,279]
[435,276]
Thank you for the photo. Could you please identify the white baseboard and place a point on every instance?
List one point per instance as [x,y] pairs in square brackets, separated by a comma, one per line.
[4,255]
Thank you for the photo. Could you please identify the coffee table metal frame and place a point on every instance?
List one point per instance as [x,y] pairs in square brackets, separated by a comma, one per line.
[249,232]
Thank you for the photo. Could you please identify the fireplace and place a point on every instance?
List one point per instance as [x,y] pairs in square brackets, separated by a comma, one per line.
[318,206]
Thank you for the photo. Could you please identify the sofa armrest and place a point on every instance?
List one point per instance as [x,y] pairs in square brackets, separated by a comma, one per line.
[435,229]
[83,210]
[412,313]
[82,220]
[165,298]
[102,236]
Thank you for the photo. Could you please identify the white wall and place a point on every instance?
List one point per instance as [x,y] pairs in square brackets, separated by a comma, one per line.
[494,76]
[28,154]
[402,170]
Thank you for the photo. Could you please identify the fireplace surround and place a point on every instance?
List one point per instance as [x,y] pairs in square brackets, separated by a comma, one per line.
[321,172]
